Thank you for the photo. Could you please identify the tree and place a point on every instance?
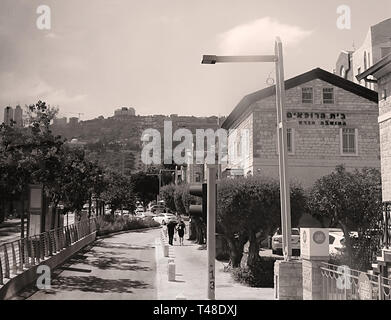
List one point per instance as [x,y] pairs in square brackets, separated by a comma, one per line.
[351,200]
[249,210]
[146,186]
[167,193]
[119,192]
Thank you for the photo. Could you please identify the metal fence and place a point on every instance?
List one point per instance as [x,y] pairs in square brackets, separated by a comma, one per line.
[20,255]
[343,283]
[387,224]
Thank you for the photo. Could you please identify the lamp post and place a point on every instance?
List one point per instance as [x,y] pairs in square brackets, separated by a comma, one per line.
[277,58]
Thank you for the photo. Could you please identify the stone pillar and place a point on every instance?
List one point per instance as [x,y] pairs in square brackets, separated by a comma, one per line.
[314,251]
[288,284]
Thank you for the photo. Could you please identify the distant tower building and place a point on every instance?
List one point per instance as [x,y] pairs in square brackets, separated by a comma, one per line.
[60,122]
[18,116]
[73,121]
[124,112]
[8,115]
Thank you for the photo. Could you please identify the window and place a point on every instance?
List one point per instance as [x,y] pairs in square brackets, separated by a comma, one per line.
[384,94]
[328,95]
[307,95]
[349,141]
[331,239]
[359,72]
[289,140]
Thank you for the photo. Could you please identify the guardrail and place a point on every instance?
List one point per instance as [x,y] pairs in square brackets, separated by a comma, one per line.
[342,283]
[22,254]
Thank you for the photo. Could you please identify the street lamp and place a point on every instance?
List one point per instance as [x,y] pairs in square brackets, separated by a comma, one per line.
[277,58]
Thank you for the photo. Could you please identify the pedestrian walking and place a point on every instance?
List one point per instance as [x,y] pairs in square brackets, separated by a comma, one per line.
[171,230]
[181,227]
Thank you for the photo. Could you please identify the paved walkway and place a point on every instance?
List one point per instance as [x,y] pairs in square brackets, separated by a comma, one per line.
[120,267]
[191,277]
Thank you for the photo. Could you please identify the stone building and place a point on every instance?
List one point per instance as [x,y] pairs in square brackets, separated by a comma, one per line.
[376,45]
[330,121]
[381,71]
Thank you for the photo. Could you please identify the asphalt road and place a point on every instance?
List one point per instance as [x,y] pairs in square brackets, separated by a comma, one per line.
[120,267]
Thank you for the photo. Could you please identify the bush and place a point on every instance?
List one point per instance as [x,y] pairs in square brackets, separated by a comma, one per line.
[110,224]
[260,276]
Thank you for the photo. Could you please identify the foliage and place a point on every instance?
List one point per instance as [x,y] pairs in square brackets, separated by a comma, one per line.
[146,185]
[249,210]
[178,195]
[260,275]
[119,191]
[167,193]
[110,224]
[352,201]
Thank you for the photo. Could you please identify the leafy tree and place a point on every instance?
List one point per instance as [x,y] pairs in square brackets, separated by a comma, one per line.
[119,192]
[249,210]
[167,193]
[350,200]
[146,186]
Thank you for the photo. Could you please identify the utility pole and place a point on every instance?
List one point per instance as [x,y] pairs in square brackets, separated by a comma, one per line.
[211,230]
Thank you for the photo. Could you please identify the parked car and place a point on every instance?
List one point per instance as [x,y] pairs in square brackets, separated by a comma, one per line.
[277,242]
[157,208]
[164,218]
[138,210]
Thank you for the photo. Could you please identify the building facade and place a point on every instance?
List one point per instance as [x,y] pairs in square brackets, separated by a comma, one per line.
[8,115]
[18,116]
[330,120]
[377,45]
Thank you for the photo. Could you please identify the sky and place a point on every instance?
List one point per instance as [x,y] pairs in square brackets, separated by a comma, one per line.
[103,54]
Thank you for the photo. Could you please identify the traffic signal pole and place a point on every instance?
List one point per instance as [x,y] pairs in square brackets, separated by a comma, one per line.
[211,229]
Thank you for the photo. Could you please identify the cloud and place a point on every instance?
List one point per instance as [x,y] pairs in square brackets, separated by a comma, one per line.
[258,36]
[29,90]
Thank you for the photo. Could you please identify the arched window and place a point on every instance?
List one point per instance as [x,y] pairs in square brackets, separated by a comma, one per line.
[342,72]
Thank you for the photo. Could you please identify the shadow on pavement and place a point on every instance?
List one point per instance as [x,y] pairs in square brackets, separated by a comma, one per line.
[98,285]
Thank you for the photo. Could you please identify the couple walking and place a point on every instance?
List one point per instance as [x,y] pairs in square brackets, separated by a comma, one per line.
[179,227]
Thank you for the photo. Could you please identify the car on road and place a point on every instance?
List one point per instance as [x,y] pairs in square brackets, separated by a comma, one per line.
[157,208]
[164,218]
[277,241]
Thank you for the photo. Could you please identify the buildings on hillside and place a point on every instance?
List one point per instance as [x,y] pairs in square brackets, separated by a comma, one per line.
[13,115]
[330,120]
[377,44]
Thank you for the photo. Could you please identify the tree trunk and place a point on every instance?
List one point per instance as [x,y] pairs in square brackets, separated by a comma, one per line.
[348,242]
[253,250]
[235,251]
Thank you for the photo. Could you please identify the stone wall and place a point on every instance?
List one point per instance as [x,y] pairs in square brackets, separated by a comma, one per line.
[385,135]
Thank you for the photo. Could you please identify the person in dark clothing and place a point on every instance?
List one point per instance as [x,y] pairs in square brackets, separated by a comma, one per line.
[181,227]
[171,230]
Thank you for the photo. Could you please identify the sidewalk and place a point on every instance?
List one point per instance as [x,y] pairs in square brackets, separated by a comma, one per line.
[191,277]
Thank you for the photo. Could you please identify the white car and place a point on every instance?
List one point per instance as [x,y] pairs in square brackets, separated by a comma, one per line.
[336,242]
[277,241]
[164,218]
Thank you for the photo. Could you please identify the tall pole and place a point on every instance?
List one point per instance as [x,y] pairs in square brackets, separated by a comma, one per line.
[211,232]
[283,152]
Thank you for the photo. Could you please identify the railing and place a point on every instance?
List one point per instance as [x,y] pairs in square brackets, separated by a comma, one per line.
[20,255]
[342,283]
[387,225]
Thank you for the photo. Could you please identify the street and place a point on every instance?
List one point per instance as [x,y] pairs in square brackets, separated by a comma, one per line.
[120,267]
